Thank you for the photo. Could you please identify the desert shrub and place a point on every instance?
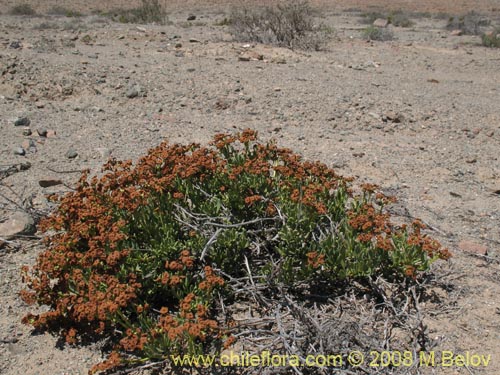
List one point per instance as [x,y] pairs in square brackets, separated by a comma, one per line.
[470,23]
[288,25]
[46,26]
[63,11]
[396,18]
[22,10]
[399,19]
[491,39]
[137,254]
[370,17]
[377,33]
[226,21]
[151,11]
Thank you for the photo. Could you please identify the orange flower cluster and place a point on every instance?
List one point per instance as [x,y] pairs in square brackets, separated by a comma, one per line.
[431,246]
[315,260]
[114,360]
[211,280]
[372,226]
[134,340]
[250,200]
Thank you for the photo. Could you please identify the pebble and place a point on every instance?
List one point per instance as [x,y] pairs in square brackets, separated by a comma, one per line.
[191,17]
[71,154]
[22,121]
[42,132]
[132,93]
[27,132]
[193,40]
[20,151]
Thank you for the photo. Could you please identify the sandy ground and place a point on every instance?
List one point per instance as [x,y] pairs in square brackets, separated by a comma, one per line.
[440,158]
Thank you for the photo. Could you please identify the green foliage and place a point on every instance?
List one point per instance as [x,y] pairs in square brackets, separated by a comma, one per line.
[377,33]
[491,39]
[138,254]
[22,10]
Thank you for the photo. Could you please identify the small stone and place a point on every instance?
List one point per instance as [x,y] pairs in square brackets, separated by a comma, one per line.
[132,92]
[20,151]
[42,132]
[381,22]
[27,132]
[394,117]
[471,160]
[472,247]
[51,133]
[194,40]
[104,152]
[141,29]
[39,105]
[24,166]
[49,182]
[15,45]
[22,121]
[190,70]
[71,154]
[456,32]
[178,45]
[191,17]
[20,223]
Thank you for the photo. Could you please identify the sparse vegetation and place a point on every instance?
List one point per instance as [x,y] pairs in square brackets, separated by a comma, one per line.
[288,25]
[370,17]
[377,33]
[46,26]
[59,10]
[151,11]
[397,18]
[137,254]
[491,39]
[22,10]
[226,21]
[400,19]
[471,23]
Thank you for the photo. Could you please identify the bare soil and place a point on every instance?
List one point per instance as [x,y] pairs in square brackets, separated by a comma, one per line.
[418,115]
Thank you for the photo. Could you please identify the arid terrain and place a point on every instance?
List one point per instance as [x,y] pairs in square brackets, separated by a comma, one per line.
[418,115]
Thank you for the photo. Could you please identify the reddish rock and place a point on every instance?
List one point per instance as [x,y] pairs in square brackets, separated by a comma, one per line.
[472,247]
[456,32]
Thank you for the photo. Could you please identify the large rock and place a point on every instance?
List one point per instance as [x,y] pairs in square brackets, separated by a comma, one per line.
[20,223]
